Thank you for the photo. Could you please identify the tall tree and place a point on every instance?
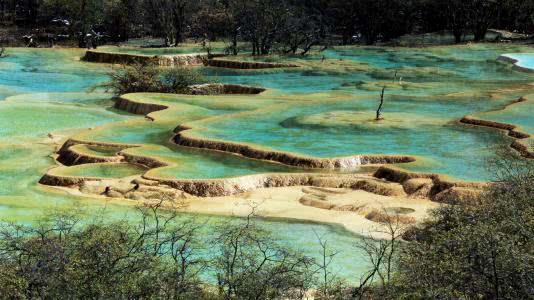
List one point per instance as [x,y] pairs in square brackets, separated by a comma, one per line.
[84,15]
[458,18]
[482,14]
[169,18]
[342,15]
[301,31]
[120,18]
[262,21]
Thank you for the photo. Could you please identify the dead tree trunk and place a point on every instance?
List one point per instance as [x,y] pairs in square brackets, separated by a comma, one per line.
[379,110]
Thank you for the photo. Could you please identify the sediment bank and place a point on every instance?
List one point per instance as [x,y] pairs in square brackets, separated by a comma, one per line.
[386,181]
[75,155]
[161,60]
[238,185]
[178,60]
[138,108]
[497,125]
[437,187]
[182,138]
[511,130]
[246,65]
[63,181]
[225,89]
[518,135]
[69,155]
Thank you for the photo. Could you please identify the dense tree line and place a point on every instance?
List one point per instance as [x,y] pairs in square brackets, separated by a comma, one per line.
[288,26]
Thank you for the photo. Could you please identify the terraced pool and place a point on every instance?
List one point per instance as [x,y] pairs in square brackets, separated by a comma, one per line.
[103,170]
[323,109]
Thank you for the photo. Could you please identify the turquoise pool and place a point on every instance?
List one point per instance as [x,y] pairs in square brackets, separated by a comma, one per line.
[46,95]
[523,60]
[48,92]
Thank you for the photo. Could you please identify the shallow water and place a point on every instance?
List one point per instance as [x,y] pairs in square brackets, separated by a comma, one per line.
[22,121]
[194,164]
[435,86]
[119,170]
[98,151]
[427,131]
[48,91]
[47,70]
[47,101]
[524,60]
[444,83]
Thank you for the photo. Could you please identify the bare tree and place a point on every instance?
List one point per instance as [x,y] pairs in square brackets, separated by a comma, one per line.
[381,253]
[329,285]
[249,264]
[482,14]
[457,17]
[379,110]
[165,236]
[169,17]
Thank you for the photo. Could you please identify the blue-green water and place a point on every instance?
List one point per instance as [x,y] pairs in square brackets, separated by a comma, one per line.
[445,145]
[46,95]
[443,83]
[524,60]
[106,170]
[46,70]
[61,106]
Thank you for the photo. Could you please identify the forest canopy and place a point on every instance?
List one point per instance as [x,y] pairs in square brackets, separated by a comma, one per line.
[286,26]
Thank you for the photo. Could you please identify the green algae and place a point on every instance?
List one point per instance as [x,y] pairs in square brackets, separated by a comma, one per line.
[364,120]
[27,70]
[23,121]
[518,114]
[322,109]
[101,170]
[55,105]
[98,151]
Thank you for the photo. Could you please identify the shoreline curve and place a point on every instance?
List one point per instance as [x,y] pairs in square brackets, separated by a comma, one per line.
[511,130]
